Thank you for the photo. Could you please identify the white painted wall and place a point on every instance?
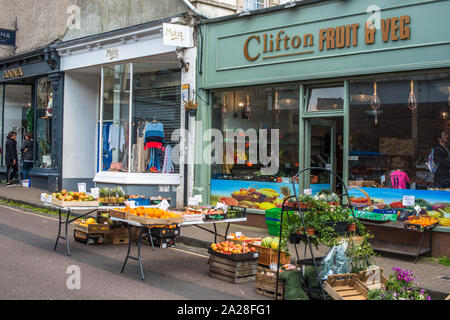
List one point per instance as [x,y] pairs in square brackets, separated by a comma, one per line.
[81,104]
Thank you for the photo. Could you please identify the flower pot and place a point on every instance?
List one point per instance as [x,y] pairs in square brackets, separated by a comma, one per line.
[311,231]
[192,112]
[294,238]
[351,227]
[339,227]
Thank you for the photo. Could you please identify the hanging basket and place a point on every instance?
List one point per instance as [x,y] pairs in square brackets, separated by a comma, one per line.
[192,112]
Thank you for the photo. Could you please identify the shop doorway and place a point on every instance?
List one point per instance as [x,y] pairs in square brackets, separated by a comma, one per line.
[324,149]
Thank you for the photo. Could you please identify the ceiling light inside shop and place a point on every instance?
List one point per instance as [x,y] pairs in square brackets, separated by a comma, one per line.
[289,99]
[360,98]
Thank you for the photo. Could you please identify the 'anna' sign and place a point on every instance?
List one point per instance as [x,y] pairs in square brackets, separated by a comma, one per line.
[7,37]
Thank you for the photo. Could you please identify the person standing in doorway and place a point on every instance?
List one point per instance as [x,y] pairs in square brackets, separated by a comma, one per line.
[27,155]
[11,157]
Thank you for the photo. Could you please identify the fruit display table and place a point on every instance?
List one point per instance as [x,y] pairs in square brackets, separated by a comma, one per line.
[142,231]
[80,212]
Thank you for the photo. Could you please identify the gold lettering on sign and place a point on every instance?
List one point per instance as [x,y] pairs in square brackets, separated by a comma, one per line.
[112,53]
[12,73]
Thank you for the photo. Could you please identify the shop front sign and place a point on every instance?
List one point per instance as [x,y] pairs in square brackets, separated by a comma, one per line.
[177,35]
[7,37]
[283,43]
[12,73]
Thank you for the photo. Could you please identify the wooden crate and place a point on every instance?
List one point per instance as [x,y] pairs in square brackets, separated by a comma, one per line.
[88,239]
[153,221]
[232,271]
[371,280]
[68,204]
[118,214]
[117,236]
[93,228]
[266,281]
[268,255]
[345,287]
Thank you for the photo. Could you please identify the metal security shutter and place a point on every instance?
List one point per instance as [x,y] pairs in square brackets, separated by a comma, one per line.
[162,105]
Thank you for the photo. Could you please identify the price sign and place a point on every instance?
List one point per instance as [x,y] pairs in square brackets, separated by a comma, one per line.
[409,201]
[163,205]
[308,192]
[222,206]
[192,201]
[82,187]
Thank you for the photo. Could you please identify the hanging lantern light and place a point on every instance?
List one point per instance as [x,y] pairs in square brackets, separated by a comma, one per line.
[375,104]
[412,100]
[276,109]
[247,109]
[224,106]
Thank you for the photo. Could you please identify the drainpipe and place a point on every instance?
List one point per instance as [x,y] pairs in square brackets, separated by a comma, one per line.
[194,9]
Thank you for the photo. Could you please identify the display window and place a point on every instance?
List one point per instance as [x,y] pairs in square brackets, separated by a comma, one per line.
[43,133]
[140,111]
[395,124]
[272,109]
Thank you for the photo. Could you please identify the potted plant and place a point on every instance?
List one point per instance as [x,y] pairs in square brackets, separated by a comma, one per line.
[352,226]
[360,253]
[191,107]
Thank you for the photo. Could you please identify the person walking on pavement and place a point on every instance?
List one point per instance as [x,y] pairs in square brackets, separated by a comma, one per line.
[442,159]
[11,157]
[27,155]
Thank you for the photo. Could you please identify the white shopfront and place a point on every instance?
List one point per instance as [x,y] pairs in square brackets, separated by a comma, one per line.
[119,87]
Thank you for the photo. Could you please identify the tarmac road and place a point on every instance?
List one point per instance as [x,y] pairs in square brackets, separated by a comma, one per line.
[31,270]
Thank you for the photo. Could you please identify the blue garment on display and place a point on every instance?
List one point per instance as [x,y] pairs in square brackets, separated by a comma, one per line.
[107,153]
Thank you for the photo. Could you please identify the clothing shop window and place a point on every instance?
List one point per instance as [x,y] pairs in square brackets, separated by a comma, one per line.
[43,133]
[155,116]
[115,117]
[274,110]
[395,123]
[16,108]
[141,110]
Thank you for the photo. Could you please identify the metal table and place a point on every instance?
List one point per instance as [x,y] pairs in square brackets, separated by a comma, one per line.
[143,227]
[68,220]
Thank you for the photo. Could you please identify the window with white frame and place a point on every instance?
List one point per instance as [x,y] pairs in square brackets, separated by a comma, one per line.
[254,4]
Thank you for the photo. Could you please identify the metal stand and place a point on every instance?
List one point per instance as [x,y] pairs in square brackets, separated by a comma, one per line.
[139,244]
[66,224]
[286,209]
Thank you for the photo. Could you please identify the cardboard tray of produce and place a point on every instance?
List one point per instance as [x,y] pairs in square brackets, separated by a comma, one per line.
[235,256]
[62,203]
[154,221]
[215,217]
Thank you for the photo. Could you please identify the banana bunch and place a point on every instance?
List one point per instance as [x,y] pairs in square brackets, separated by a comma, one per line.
[270,193]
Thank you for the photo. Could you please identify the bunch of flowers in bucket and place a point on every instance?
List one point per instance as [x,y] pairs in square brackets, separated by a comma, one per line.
[401,286]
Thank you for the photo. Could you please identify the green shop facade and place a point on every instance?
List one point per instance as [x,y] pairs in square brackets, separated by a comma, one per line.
[358,87]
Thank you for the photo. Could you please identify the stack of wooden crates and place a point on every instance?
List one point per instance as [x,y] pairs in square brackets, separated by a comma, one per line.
[266,279]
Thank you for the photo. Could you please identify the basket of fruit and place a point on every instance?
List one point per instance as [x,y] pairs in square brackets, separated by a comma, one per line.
[232,251]
[268,251]
[73,199]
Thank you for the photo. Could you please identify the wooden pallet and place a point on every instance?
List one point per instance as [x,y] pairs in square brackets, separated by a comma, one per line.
[266,281]
[345,287]
[232,271]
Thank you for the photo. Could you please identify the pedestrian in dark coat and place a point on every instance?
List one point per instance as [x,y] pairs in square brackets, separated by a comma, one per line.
[442,159]
[11,157]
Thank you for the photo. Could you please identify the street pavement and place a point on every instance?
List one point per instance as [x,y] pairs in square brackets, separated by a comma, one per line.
[179,273]
[30,269]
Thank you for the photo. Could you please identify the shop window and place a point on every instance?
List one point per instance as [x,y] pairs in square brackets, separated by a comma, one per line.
[246,114]
[394,125]
[16,108]
[325,99]
[115,118]
[137,137]
[43,132]
[155,117]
